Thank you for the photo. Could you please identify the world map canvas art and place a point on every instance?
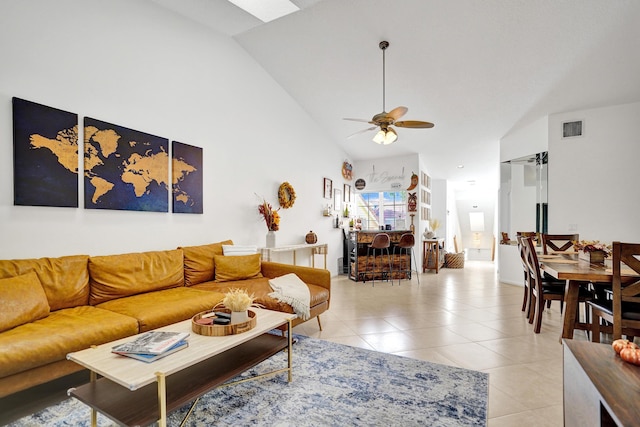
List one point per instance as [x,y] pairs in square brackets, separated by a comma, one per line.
[124,169]
[186,174]
[45,155]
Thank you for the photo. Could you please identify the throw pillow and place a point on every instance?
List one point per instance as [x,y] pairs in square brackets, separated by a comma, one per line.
[241,267]
[198,262]
[23,301]
[234,250]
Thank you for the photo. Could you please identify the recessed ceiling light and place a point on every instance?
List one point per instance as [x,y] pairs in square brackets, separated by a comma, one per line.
[266,10]
[460,166]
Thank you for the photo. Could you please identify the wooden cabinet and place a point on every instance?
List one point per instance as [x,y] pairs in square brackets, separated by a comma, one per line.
[599,388]
[433,254]
[358,244]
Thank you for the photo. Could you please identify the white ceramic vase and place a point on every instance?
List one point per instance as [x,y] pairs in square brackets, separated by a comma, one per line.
[271,239]
[239,316]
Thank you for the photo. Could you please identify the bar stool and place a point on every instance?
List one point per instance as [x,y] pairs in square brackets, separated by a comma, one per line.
[405,245]
[381,243]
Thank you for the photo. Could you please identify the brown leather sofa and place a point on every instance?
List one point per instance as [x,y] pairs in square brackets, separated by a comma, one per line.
[54,306]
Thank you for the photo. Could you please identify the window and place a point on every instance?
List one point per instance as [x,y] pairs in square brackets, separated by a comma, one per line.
[381,209]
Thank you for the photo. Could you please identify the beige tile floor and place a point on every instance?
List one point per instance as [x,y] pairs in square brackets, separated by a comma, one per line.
[460,317]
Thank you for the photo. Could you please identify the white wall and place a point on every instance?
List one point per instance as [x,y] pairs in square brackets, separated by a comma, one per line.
[386,174]
[453,222]
[476,201]
[136,65]
[528,139]
[523,201]
[592,178]
[439,208]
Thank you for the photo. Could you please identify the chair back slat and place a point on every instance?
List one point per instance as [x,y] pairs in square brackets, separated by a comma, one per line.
[558,242]
[625,290]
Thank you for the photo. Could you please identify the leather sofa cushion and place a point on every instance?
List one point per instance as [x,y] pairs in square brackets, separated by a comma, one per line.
[50,339]
[118,276]
[65,279]
[260,289]
[239,267]
[314,276]
[23,301]
[198,262]
[160,308]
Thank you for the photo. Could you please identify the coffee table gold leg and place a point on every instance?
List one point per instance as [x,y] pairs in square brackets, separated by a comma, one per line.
[162,399]
[289,351]
[94,414]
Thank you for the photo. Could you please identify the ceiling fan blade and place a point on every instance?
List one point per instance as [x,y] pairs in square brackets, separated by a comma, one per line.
[362,131]
[358,120]
[397,112]
[413,124]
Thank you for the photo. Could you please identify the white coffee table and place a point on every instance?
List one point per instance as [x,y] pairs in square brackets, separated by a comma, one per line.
[132,392]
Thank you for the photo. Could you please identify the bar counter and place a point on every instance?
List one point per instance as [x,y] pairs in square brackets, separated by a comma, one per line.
[359,242]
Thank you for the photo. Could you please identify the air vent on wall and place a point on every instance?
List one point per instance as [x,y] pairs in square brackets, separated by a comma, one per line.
[572,129]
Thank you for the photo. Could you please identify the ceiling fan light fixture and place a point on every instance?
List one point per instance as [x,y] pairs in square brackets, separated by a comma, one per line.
[385,136]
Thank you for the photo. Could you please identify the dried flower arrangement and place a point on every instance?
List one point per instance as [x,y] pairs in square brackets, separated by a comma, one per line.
[238,300]
[591,246]
[271,216]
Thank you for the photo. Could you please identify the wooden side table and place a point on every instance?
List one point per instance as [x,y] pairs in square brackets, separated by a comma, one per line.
[431,251]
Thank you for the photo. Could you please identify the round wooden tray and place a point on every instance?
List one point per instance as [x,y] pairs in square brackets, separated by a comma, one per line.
[222,330]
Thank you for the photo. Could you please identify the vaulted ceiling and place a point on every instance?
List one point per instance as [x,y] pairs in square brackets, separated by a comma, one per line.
[477,69]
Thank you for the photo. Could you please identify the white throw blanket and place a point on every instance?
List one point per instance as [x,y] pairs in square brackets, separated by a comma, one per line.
[293,291]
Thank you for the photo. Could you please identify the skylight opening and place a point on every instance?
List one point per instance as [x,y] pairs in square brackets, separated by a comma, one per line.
[266,10]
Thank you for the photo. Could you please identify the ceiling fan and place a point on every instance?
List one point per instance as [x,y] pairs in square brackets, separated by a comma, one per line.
[384,121]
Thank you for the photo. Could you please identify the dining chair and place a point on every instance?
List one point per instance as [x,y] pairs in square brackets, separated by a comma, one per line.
[532,234]
[405,246]
[526,298]
[543,290]
[623,309]
[380,244]
[558,242]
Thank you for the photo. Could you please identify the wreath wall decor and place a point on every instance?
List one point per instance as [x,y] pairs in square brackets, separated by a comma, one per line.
[286,195]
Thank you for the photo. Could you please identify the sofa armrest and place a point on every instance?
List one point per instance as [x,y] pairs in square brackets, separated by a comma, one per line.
[311,276]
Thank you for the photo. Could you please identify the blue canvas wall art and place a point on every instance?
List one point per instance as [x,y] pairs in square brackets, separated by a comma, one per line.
[45,155]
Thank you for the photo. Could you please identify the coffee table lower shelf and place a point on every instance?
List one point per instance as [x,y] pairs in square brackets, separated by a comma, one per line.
[142,407]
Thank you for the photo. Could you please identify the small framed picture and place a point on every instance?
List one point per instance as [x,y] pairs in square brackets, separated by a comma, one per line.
[337,200]
[328,188]
[347,193]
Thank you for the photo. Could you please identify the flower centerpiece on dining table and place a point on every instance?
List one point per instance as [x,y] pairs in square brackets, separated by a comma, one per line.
[592,250]
[272,220]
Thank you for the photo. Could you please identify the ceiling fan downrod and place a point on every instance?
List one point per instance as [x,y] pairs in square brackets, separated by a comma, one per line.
[383,45]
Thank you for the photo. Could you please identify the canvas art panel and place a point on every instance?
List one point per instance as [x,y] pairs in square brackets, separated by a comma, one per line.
[186,178]
[45,155]
[124,169]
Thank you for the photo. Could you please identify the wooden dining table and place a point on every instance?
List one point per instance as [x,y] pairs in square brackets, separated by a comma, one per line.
[566,266]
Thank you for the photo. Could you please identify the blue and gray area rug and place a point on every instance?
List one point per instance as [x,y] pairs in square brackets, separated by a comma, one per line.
[333,385]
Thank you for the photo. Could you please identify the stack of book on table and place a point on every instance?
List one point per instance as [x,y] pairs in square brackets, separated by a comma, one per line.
[153,345]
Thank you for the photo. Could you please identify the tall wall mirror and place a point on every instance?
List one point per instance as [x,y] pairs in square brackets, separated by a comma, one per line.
[524,194]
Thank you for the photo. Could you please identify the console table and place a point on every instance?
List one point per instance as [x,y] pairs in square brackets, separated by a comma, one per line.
[432,259]
[316,249]
[600,389]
